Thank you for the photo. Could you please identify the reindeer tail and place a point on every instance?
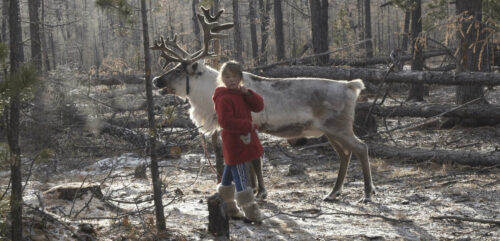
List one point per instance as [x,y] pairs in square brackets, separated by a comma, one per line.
[356,85]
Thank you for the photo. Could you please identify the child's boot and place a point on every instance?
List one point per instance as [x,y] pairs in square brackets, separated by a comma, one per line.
[227,194]
[247,203]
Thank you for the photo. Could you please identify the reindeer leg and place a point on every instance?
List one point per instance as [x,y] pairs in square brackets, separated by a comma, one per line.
[360,149]
[257,167]
[344,157]
[219,159]
[251,175]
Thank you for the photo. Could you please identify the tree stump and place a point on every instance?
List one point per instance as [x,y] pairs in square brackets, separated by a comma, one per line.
[73,190]
[218,220]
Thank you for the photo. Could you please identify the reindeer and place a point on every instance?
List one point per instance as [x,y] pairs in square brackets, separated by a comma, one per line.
[294,107]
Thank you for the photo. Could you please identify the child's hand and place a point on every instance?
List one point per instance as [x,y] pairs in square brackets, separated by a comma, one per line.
[244,90]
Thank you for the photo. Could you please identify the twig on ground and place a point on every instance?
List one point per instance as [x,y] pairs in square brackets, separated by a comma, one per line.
[56,218]
[6,190]
[476,220]
[319,213]
[76,193]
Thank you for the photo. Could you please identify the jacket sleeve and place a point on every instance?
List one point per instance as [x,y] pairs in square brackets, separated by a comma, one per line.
[226,119]
[254,101]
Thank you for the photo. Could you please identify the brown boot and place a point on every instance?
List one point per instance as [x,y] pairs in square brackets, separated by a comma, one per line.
[227,194]
[247,203]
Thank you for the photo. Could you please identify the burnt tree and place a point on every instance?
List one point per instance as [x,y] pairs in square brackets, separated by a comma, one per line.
[319,26]
[238,43]
[278,30]
[196,25]
[264,8]
[252,15]
[155,175]
[16,59]
[470,58]
[368,29]
[417,89]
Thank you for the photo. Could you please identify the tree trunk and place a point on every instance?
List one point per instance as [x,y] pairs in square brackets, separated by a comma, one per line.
[252,13]
[319,27]
[53,49]
[36,58]
[417,89]
[368,29]
[264,29]
[155,176]
[196,25]
[470,58]
[45,52]
[238,43]
[5,18]
[278,30]
[218,220]
[406,30]
[375,75]
[16,59]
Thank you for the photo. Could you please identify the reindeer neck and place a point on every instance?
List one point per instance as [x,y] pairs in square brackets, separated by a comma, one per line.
[203,87]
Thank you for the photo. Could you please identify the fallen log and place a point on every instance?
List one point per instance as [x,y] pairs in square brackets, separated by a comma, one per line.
[431,110]
[118,80]
[143,123]
[73,190]
[377,75]
[469,158]
[383,60]
[135,138]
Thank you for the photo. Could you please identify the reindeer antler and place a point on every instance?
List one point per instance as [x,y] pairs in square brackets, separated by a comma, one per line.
[211,29]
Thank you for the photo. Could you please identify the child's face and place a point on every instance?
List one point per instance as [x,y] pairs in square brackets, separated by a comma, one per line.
[231,80]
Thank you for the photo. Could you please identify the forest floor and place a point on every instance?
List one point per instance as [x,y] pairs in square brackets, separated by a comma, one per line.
[409,199]
[414,200]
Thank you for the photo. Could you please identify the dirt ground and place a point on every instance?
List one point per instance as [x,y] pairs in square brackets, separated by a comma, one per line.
[409,201]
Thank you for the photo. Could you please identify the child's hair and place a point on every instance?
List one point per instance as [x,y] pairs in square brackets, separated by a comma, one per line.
[229,67]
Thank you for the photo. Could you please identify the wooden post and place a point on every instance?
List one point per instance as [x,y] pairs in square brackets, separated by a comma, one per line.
[218,220]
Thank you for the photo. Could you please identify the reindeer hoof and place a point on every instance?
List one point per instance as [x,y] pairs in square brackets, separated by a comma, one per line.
[366,200]
[261,195]
[331,197]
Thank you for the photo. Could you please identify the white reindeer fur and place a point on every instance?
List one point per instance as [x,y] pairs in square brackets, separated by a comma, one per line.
[282,106]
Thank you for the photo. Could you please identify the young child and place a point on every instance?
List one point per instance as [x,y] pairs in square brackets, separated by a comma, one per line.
[240,143]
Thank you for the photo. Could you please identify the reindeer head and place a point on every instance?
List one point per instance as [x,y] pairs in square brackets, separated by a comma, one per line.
[176,80]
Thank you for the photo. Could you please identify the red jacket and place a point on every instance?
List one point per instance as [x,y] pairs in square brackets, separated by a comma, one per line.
[240,142]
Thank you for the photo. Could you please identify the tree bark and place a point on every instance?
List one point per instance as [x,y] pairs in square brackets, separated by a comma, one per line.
[319,27]
[375,75]
[218,220]
[368,29]
[238,43]
[264,29]
[155,176]
[470,58]
[196,25]
[406,30]
[5,18]
[417,89]
[252,14]
[16,59]
[278,30]
[45,52]
[36,58]
[440,156]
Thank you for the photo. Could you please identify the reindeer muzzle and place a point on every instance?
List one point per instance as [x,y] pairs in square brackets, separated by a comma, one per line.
[166,91]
